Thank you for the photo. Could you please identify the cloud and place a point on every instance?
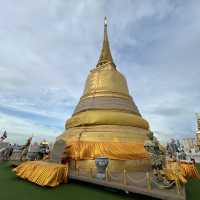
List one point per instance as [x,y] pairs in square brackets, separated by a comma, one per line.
[20,129]
[48,48]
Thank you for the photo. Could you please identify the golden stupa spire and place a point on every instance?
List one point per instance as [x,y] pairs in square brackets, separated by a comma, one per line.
[105,56]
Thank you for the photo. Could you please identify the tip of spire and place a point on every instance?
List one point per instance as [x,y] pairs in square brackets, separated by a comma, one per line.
[105,56]
[105,21]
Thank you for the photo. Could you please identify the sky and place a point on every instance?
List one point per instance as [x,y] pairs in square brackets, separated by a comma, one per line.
[48,47]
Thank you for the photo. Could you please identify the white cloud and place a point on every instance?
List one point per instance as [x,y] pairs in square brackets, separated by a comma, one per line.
[48,47]
[20,129]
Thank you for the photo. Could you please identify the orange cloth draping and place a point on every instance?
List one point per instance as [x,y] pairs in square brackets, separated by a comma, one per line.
[113,150]
[181,171]
[43,173]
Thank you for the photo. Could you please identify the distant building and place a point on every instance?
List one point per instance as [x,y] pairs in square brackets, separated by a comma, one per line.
[198,130]
[193,144]
[34,147]
[4,144]
[189,144]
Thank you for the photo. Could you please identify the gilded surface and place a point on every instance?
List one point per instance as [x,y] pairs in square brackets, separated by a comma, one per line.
[106,117]
[106,79]
[104,133]
[122,144]
[181,171]
[106,121]
[106,102]
[82,150]
[43,173]
[105,56]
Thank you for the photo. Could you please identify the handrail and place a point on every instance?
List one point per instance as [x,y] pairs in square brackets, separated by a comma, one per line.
[163,186]
[124,177]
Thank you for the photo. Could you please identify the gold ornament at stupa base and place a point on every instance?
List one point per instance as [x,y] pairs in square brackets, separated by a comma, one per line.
[106,122]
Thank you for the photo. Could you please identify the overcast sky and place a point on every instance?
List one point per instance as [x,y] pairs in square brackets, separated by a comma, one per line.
[47,48]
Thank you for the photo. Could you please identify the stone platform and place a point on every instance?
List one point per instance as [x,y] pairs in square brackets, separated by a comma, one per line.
[134,183]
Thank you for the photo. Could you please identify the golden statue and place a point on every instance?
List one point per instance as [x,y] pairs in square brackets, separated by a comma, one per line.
[106,122]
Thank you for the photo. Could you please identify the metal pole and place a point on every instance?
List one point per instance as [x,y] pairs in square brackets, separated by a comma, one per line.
[91,172]
[124,177]
[107,174]
[178,186]
[78,171]
[148,179]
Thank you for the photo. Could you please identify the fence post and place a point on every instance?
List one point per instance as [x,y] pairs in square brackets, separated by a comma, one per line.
[124,177]
[148,181]
[107,178]
[178,186]
[77,171]
[91,172]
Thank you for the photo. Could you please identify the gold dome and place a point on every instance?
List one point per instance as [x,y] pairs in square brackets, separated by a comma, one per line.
[106,98]
[106,121]
[106,79]
[106,88]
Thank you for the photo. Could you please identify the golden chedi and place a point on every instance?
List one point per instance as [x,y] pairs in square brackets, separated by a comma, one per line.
[106,122]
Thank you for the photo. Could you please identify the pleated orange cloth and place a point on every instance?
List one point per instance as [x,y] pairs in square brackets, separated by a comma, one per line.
[181,171]
[83,150]
[43,173]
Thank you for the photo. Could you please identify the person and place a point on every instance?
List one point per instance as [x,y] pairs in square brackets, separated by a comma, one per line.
[10,150]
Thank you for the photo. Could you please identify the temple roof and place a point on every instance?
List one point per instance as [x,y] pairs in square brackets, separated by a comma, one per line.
[105,56]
